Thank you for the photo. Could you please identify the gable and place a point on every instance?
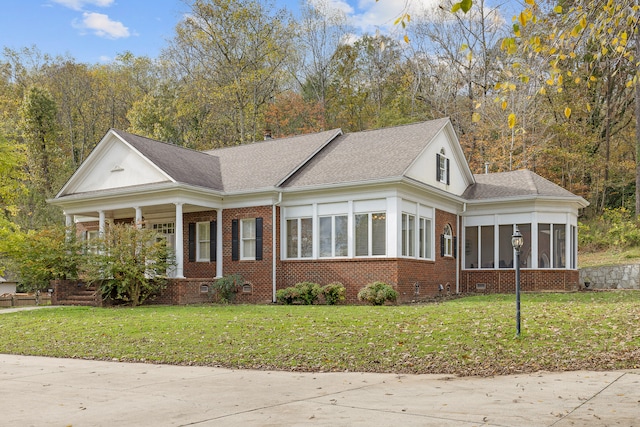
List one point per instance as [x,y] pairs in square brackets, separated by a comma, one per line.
[113,164]
[425,168]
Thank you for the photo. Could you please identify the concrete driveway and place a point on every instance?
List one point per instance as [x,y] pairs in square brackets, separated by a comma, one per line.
[40,391]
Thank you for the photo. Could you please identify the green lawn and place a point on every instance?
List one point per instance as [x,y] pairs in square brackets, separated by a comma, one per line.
[466,336]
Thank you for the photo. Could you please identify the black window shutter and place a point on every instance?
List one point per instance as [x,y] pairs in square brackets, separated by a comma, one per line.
[447,166]
[438,167]
[235,243]
[213,233]
[442,245]
[258,239]
[455,247]
[192,241]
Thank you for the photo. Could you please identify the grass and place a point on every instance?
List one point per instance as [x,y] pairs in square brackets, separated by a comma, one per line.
[467,336]
[609,257]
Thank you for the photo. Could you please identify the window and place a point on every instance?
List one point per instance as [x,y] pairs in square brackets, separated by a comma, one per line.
[505,248]
[91,237]
[446,241]
[371,236]
[471,247]
[442,167]
[248,239]
[487,245]
[299,238]
[203,236]
[408,235]
[333,236]
[425,238]
[559,246]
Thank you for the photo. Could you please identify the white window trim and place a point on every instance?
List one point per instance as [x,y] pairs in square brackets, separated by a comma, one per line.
[448,241]
[244,239]
[370,235]
[406,248]
[428,231]
[299,238]
[333,236]
[200,240]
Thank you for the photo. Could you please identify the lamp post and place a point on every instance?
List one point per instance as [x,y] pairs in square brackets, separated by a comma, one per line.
[517,241]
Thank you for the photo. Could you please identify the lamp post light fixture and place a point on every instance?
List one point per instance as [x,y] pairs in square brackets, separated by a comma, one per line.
[517,241]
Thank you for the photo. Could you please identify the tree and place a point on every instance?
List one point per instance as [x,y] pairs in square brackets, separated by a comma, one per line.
[232,56]
[41,256]
[129,263]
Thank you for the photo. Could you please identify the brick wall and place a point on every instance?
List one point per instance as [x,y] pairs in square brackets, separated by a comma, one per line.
[503,281]
[256,274]
[197,269]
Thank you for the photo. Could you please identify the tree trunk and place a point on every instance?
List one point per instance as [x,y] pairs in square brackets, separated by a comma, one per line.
[637,113]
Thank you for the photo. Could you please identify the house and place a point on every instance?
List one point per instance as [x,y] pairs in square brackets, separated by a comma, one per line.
[7,285]
[399,205]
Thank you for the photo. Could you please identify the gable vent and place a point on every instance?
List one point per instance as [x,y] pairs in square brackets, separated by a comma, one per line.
[117,168]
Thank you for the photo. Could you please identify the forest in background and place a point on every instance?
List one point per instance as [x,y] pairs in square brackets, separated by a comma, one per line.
[237,69]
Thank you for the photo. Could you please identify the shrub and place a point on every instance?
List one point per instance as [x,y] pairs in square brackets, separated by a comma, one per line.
[308,292]
[304,292]
[333,293]
[129,263]
[287,295]
[226,287]
[377,293]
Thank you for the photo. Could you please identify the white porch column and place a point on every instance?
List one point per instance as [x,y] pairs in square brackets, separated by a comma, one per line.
[219,257]
[138,220]
[68,220]
[101,223]
[179,242]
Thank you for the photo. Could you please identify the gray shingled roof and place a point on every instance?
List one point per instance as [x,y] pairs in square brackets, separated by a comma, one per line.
[266,163]
[520,183]
[367,156]
[182,164]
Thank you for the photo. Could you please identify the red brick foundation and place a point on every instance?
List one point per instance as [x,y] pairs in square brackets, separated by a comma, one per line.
[503,281]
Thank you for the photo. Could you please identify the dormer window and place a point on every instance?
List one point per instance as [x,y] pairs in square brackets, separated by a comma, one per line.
[442,167]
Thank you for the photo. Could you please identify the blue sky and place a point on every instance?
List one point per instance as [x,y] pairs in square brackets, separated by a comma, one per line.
[94,31]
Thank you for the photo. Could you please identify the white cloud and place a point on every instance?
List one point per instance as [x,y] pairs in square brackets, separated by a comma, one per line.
[102,26]
[80,4]
[373,14]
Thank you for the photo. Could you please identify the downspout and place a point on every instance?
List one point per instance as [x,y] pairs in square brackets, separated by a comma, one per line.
[274,242]
[460,246]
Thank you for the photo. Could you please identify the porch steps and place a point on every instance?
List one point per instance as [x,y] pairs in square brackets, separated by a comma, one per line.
[85,296]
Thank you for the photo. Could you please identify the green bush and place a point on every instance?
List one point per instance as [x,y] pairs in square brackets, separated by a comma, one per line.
[308,292]
[303,292]
[226,288]
[333,293]
[377,293]
[287,296]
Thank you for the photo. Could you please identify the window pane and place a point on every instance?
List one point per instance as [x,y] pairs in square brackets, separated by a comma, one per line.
[248,239]
[412,235]
[325,236]
[362,234]
[486,246]
[471,247]
[248,229]
[544,245]
[306,235]
[525,251]
[559,245]
[505,247]
[379,233]
[203,251]
[404,234]
[203,241]
[292,238]
[341,236]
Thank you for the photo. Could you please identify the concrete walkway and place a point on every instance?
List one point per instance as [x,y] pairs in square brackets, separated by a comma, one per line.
[41,391]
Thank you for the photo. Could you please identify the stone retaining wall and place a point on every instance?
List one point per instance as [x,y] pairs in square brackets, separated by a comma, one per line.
[611,277]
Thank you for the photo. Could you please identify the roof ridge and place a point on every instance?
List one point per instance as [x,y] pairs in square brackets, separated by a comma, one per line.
[170,144]
[272,140]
